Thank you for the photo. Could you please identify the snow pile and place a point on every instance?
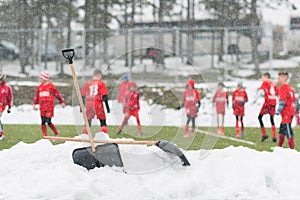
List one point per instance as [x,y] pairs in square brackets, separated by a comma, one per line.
[44,171]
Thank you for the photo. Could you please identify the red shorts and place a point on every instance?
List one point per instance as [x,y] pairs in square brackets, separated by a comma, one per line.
[220,110]
[98,110]
[286,119]
[100,113]
[133,112]
[268,109]
[239,111]
[192,111]
[47,113]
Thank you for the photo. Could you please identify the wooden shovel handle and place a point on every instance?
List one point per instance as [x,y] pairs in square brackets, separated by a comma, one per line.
[77,89]
[111,141]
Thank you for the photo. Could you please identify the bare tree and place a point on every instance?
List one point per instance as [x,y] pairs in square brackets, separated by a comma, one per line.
[190,24]
[254,38]
[22,25]
[160,53]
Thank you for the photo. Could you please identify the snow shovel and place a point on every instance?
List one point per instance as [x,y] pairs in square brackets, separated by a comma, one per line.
[162,144]
[69,54]
[90,154]
[91,157]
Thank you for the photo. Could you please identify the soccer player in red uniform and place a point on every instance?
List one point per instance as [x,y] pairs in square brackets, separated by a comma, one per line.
[191,103]
[123,89]
[297,105]
[286,108]
[94,93]
[220,101]
[45,94]
[239,98]
[270,91]
[6,97]
[132,107]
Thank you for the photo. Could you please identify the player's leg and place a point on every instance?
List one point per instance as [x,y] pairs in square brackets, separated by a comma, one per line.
[1,128]
[52,126]
[218,123]
[273,127]
[264,135]
[297,118]
[101,117]
[237,129]
[84,129]
[126,117]
[222,123]
[193,119]
[136,114]
[90,114]
[282,130]
[186,128]
[242,127]
[102,122]
[264,110]
[290,135]
[103,125]
[43,125]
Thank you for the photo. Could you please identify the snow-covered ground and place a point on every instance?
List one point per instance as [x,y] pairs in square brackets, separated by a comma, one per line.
[45,171]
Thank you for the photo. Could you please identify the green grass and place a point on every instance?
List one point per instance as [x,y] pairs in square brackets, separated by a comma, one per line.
[32,133]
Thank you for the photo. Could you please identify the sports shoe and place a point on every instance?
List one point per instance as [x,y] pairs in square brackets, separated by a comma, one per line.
[238,136]
[242,134]
[119,132]
[140,134]
[264,137]
[222,131]
[55,135]
[274,139]
[2,137]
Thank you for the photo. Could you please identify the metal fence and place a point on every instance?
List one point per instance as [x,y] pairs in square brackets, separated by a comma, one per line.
[98,46]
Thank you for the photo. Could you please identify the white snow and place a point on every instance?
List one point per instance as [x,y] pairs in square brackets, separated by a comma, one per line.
[45,171]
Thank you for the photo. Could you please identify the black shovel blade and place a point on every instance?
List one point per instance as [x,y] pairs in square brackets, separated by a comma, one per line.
[85,158]
[107,154]
[171,148]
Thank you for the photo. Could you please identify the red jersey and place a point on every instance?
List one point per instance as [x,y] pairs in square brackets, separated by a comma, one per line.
[287,94]
[93,90]
[122,91]
[220,99]
[6,96]
[45,96]
[133,100]
[190,99]
[271,92]
[239,96]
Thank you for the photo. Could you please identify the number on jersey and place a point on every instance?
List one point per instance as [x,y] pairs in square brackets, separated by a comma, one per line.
[93,90]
